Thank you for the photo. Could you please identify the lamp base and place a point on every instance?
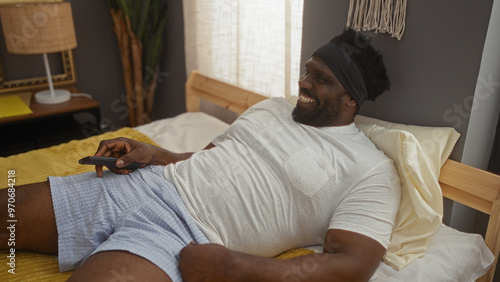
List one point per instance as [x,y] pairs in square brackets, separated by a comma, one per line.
[44,97]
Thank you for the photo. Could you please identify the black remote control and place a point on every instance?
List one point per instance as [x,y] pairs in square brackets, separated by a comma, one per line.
[107,161]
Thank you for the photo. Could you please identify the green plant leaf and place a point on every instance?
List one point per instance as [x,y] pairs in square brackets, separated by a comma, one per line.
[147,20]
[143,17]
[123,6]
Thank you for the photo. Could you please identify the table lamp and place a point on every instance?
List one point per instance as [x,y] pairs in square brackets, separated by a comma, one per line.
[40,29]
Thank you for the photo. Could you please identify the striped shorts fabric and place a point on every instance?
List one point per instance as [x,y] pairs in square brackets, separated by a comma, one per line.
[141,213]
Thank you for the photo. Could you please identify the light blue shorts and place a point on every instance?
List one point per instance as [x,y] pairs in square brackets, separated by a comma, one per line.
[141,213]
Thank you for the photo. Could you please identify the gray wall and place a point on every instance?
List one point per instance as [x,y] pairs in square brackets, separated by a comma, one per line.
[97,60]
[483,120]
[98,63]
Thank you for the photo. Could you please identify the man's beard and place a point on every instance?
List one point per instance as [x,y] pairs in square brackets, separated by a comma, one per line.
[319,117]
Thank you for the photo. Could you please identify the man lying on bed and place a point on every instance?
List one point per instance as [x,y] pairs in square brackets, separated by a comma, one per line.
[278,178]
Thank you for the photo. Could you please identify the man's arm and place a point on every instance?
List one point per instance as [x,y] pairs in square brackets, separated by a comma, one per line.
[128,151]
[347,256]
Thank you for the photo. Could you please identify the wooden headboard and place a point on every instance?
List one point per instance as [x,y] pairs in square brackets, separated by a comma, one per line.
[470,186]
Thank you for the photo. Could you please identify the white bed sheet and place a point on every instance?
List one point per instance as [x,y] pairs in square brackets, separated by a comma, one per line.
[451,255]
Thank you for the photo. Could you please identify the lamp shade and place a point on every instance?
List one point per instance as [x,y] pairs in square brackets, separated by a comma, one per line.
[38,28]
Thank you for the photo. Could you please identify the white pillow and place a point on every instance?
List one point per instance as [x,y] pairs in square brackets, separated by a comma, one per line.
[187,132]
[451,256]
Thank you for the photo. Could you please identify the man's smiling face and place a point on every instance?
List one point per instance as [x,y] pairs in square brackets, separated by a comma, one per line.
[322,98]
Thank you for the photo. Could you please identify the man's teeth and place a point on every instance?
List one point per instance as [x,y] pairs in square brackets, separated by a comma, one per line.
[305,99]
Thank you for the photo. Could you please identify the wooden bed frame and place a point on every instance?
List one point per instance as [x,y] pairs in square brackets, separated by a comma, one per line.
[470,186]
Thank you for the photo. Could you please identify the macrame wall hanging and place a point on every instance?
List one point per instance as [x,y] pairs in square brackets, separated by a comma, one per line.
[384,16]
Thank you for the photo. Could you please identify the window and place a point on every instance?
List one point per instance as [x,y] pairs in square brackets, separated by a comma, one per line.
[252,44]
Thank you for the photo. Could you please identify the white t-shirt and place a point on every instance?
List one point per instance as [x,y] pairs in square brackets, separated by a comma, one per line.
[272,184]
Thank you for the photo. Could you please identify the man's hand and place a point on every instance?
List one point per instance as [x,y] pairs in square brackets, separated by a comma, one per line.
[206,262]
[128,151]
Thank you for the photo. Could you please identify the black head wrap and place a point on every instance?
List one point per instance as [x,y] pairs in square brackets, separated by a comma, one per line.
[345,69]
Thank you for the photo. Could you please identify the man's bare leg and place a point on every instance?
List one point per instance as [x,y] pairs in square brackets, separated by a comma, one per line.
[118,266]
[36,231]
[35,228]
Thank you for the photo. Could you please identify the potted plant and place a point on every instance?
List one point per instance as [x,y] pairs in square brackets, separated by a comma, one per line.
[139,27]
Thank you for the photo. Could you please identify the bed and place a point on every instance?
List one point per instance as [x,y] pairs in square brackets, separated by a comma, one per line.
[442,253]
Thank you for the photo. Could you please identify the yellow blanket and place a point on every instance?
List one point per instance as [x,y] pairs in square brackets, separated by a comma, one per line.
[60,160]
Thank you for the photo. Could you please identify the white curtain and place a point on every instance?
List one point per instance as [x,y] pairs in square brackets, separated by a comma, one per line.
[253,44]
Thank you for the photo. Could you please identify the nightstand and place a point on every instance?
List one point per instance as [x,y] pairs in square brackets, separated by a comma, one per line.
[49,125]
